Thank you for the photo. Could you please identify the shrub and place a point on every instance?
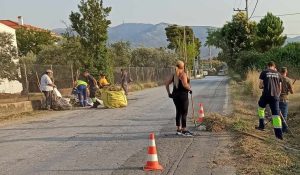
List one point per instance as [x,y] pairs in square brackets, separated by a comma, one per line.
[252,83]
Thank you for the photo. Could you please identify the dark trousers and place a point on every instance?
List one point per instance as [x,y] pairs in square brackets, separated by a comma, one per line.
[284,111]
[125,88]
[181,101]
[82,94]
[48,95]
[272,101]
[93,91]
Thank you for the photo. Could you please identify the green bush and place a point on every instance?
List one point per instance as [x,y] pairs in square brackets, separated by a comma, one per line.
[287,56]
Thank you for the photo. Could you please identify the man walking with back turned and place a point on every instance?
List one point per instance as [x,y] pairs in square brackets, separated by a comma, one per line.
[270,82]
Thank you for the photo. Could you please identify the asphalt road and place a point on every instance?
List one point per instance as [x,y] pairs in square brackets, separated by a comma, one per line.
[114,141]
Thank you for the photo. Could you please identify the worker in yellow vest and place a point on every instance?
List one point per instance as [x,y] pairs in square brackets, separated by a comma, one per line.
[81,85]
[271,83]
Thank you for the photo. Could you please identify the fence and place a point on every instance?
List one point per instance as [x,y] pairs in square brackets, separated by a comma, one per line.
[144,74]
[64,76]
[31,74]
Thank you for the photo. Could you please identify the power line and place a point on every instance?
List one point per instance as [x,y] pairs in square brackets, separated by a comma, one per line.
[235,3]
[245,10]
[240,3]
[254,9]
[287,14]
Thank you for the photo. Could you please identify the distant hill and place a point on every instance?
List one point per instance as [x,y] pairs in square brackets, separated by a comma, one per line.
[293,40]
[59,31]
[150,35]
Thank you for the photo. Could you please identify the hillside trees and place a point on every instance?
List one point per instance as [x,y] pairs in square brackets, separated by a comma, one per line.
[91,24]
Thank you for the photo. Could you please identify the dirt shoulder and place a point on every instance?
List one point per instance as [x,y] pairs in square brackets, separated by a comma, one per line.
[259,152]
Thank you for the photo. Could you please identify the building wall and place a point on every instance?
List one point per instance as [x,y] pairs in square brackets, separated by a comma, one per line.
[10,87]
[4,28]
[5,85]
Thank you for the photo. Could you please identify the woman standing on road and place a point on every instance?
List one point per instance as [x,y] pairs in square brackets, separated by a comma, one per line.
[181,88]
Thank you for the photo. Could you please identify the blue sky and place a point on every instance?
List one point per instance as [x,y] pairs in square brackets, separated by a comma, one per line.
[50,13]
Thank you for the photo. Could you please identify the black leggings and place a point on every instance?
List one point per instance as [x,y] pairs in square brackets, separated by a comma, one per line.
[181,102]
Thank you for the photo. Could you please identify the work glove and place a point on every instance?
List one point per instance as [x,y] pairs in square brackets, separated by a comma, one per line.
[191,92]
[170,96]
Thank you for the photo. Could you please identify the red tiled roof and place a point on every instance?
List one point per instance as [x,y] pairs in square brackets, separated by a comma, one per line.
[16,25]
[10,23]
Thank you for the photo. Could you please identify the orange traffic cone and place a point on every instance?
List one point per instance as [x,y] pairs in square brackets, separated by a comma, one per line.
[152,163]
[200,113]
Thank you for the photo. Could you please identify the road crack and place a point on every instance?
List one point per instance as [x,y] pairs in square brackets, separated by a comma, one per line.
[176,163]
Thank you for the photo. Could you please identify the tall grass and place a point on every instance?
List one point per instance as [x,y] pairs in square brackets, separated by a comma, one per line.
[252,83]
[296,86]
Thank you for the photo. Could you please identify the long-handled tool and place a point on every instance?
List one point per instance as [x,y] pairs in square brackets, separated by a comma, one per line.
[39,86]
[284,121]
[193,110]
[287,126]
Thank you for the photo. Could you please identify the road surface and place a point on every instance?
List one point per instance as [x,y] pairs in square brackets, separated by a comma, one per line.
[114,141]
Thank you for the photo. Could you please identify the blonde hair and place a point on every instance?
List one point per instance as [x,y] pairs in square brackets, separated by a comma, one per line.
[178,70]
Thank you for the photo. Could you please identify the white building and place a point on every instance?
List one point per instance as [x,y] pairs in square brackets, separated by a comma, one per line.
[6,86]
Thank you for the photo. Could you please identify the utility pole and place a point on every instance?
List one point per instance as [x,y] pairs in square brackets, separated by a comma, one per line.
[245,10]
[194,59]
[210,59]
[185,51]
[184,46]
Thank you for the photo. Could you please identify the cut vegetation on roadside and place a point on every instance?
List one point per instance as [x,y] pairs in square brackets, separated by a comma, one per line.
[257,152]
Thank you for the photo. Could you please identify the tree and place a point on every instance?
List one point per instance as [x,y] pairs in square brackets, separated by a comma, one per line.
[8,57]
[150,57]
[269,33]
[184,42]
[239,33]
[91,25]
[32,40]
[68,52]
[215,38]
[143,57]
[166,58]
[122,54]
[235,36]
[29,58]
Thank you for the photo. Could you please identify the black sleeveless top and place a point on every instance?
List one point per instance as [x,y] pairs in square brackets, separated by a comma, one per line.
[180,88]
